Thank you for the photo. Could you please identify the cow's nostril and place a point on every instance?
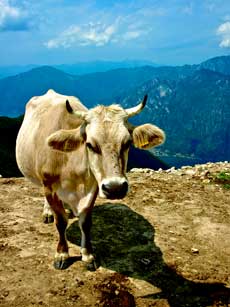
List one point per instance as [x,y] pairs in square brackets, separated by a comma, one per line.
[105,187]
[125,186]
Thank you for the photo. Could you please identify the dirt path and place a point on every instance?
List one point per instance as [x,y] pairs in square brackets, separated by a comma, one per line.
[166,244]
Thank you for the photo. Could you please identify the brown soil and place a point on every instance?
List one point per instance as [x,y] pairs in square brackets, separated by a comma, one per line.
[166,244]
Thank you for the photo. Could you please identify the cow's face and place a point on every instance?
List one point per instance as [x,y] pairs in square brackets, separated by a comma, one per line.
[107,141]
[107,136]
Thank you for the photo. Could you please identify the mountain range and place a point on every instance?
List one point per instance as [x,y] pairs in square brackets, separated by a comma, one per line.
[80,68]
[191,102]
[193,111]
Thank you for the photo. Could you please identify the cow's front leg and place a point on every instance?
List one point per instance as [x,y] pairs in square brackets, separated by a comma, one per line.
[85,208]
[62,255]
[85,223]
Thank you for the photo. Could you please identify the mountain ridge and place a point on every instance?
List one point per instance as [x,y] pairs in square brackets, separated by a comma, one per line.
[193,111]
[95,88]
[191,102]
[79,68]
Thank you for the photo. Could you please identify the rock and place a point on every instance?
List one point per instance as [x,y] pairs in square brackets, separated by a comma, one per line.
[141,170]
[171,170]
[190,172]
[194,250]
[206,180]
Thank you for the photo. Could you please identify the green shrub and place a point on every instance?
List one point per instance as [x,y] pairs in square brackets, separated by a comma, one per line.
[224,179]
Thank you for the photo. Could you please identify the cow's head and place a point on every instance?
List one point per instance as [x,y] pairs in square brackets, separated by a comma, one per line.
[107,136]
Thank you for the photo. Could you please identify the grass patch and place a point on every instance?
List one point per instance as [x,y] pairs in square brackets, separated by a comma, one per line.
[223,178]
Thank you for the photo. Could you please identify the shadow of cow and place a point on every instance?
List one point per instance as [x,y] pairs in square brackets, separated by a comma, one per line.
[123,241]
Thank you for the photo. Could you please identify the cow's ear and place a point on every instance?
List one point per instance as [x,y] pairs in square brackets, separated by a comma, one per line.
[65,140]
[147,136]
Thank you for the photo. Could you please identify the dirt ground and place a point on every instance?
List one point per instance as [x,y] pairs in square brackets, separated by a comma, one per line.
[166,244]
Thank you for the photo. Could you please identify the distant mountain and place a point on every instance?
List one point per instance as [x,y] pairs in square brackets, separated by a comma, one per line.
[80,68]
[6,71]
[97,88]
[219,64]
[190,102]
[83,68]
[92,89]
[16,91]
[194,112]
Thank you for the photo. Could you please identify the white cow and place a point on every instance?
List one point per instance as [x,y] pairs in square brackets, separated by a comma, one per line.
[74,153]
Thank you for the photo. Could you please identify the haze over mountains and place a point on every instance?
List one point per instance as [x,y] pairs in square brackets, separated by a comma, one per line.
[191,103]
[80,68]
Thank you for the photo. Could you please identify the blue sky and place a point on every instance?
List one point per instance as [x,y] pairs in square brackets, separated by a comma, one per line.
[67,31]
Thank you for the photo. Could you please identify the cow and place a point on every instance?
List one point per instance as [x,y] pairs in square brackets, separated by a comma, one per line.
[76,153]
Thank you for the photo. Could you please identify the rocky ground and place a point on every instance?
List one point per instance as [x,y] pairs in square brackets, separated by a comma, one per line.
[166,244]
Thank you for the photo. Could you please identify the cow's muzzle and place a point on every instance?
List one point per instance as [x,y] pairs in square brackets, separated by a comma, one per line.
[115,188]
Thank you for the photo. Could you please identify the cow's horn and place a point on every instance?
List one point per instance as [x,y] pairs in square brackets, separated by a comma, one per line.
[79,114]
[135,110]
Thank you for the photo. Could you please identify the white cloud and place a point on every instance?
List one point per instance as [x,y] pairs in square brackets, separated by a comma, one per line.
[224,31]
[97,34]
[131,35]
[7,11]
[11,17]
[91,34]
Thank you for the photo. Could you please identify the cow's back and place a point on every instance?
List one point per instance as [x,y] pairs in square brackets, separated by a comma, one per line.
[44,115]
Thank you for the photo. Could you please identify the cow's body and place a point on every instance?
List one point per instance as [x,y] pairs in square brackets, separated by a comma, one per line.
[44,116]
[74,156]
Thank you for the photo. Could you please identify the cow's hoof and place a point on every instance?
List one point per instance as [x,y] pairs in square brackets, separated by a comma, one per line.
[89,259]
[48,219]
[61,264]
[92,266]
[61,261]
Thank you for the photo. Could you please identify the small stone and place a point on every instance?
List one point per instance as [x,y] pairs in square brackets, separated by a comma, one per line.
[184,167]
[173,239]
[194,250]
[190,172]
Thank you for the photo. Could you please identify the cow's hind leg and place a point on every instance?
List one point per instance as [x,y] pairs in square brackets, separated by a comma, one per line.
[47,214]
[61,257]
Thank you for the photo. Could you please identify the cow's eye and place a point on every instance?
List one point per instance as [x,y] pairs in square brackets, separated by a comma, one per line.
[126,145]
[95,148]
